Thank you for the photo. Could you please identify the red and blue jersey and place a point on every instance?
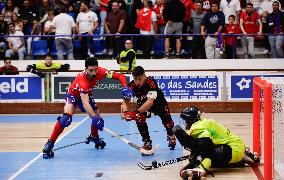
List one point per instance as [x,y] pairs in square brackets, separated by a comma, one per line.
[82,84]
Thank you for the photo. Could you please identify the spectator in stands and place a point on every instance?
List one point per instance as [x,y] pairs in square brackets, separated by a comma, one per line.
[42,11]
[207,5]
[19,26]
[127,57]
[103,14]
[46,66]
[231,41]
[121,4]
[114,24]
[47,25]
[174,14]
[250,23]
[255,3]
[230,7]
[16,44]
[189,6]
[64,25]
[87,21]
[27,14]
[198,50]
[264,10]
[213,24]
[147,23]
[275,23]
[2,5]
[72,11]
[3,31]
[158,9]
[8,68]
[36,30]
[9,10]
[136,6]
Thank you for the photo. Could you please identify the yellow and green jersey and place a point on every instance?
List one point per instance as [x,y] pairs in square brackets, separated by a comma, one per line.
[219,134]
[42,66]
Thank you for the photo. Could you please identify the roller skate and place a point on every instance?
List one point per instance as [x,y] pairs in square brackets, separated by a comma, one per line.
[172,141]
[99,142]
[146,149]
[47,150]
[194,174]
[253,156]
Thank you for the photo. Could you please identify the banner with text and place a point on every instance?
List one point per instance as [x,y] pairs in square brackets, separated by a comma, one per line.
[241,85]
[107,90]
[21,88]
[187,86]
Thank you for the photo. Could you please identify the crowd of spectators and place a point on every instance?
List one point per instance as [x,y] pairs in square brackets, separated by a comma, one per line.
[208,23]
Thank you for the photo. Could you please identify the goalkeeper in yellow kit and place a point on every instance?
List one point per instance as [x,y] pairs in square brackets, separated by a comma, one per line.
[211,145]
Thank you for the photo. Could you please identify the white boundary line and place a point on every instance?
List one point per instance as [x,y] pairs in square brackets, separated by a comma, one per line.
[40,154]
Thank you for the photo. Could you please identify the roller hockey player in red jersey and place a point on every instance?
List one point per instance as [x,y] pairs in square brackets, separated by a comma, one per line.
[149,99]
[80,94]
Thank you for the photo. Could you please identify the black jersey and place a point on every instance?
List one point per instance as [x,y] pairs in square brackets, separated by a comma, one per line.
[149,87]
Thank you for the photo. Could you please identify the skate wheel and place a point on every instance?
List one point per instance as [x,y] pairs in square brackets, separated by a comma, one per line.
[87,142]
[51,154]
[45,156]
[97,146]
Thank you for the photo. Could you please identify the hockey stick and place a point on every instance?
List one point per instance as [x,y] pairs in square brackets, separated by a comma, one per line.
[135,146]
[62,147]
[156,164]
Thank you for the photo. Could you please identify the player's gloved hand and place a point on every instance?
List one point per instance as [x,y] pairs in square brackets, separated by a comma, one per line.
[98,122]
[134,115]
[127,93]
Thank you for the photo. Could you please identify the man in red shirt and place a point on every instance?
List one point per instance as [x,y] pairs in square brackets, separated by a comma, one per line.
[80,93]
[250,23]
[158,9]
[8,69]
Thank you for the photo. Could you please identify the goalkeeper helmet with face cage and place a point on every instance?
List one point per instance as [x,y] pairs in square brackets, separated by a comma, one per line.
[190,115]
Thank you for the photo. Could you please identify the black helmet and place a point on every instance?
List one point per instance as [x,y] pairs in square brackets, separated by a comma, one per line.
[190,115]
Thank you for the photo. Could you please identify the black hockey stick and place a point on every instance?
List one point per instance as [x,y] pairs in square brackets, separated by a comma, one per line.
[156,164]
[73,144]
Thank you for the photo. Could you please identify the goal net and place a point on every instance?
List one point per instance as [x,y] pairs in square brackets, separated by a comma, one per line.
[268,124]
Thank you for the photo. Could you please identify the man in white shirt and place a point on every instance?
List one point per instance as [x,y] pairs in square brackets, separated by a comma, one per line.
[230,7]
[64,25]
[87,21]
[16,44]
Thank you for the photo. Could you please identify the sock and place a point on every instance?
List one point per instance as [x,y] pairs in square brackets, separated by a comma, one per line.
[94,131]
[57,130]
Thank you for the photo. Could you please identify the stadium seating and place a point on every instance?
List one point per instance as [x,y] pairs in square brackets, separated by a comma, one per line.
[39,48]
[159,47]
[99,46]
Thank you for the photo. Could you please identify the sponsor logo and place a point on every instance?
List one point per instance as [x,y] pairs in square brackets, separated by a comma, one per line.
[13,86]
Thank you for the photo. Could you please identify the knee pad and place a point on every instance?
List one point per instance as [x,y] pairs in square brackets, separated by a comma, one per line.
[222,155]
[65,120]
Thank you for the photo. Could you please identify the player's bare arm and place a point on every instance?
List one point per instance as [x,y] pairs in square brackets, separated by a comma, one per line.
[86,105]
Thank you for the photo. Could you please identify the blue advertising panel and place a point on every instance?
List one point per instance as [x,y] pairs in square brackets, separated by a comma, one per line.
[21,88]
[241,86]
[190,87]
